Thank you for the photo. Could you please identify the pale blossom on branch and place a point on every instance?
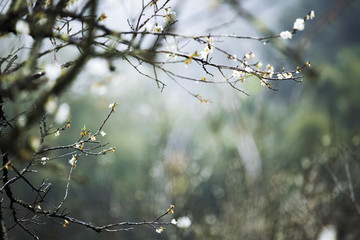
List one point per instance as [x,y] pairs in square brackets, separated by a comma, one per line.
[160,230]
[57,133]
[72,161]
[158,28]
[288,75]
[286,35]
[169,17]
[269,70]
[44,160]
[311,15]
[299,24]
[250,55]
[238,75]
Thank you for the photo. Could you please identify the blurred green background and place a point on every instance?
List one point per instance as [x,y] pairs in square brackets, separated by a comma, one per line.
[272,165]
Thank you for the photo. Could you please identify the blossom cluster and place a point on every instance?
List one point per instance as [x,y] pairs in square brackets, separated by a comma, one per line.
[299,25]
[169,18]
[247,69]
[208,47]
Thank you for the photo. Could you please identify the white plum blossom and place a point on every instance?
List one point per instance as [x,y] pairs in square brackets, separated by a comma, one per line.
[288,75]
[173,221]
[286,35]
[160,230]
[183,222]
[284,75]
[72,161]
[263,82]
[238,75]
[259,64]
[158,28]
[79,144]
[210,40]
[208,49]
[233,57]
[170,17]
[22,27]
[299,24]
[173,50]
[57,133]
[103,133]
[203,54]
[269,70]
[250,55]
[44,160]
[248,69]
[311,15]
